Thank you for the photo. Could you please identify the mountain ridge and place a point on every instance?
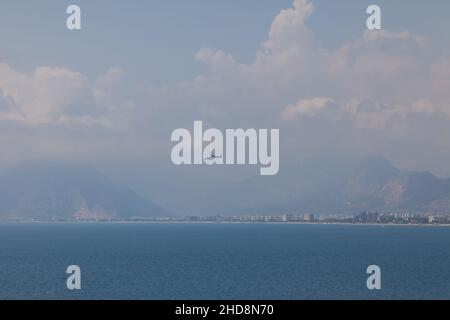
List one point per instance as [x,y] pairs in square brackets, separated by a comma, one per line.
[53,191]
[323,186]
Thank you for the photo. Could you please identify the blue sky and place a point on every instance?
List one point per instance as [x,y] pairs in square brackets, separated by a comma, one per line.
[155,41]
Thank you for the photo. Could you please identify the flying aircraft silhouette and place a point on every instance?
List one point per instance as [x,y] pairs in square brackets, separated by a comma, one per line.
[213,156]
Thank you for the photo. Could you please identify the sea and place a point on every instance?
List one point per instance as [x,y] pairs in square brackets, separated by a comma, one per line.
[166,261]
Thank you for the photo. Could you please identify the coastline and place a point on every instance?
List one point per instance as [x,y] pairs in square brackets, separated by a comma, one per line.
[227,222]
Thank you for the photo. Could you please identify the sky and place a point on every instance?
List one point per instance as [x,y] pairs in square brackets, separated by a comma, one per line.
[110,95]
[155,41]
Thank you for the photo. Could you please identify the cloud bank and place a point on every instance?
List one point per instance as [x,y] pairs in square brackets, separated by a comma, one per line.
[383,93]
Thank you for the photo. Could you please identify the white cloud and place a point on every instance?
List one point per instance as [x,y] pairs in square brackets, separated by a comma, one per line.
[307,107]
[381,90]
[288,28]
[59,95]
[42,96]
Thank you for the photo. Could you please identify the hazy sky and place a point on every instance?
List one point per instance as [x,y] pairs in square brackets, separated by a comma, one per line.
[155,41]
[111,94]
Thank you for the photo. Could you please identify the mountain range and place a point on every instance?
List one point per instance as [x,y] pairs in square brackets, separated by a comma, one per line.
[54,191]
[332,186]
[325,185]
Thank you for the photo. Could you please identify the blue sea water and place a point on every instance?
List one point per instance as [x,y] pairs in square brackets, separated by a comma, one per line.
[223,261]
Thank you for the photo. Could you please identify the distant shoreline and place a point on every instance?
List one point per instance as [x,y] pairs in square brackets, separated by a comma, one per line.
[227,222]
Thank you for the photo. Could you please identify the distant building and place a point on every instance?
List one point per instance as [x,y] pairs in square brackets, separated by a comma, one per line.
[308,217]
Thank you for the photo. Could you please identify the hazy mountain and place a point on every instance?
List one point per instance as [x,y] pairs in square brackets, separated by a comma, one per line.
[323,185]
[337,186]
[55,191]
[377,184]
